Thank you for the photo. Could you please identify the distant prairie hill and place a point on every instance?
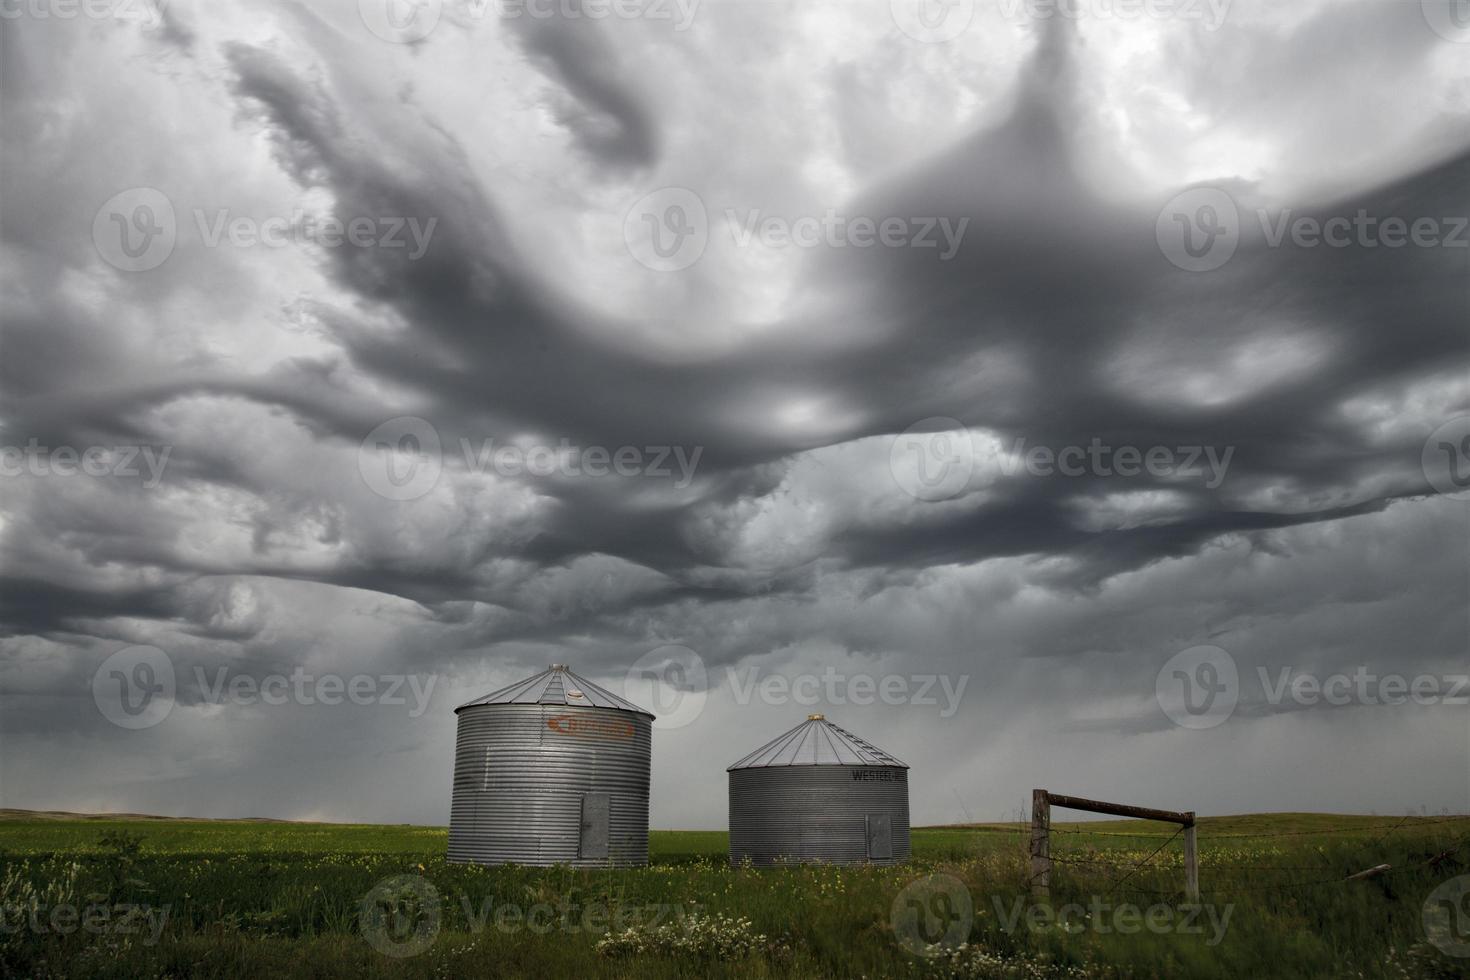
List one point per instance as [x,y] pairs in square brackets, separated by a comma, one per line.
[13,813]
[1264,824]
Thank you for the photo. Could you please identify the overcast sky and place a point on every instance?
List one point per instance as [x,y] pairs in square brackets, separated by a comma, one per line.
[981,354]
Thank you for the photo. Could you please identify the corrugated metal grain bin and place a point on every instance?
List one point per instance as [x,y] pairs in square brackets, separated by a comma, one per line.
[553,770]
[819,794]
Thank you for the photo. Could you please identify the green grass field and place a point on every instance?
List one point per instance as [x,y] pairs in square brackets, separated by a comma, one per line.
[202,898]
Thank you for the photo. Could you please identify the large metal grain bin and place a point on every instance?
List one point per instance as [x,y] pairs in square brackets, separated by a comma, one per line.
[553,770]
[819,793]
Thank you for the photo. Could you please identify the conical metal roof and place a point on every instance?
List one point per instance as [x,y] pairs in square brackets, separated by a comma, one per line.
[817,742]
[557,685]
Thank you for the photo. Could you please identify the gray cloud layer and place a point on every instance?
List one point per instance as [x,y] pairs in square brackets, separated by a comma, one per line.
[1058,321]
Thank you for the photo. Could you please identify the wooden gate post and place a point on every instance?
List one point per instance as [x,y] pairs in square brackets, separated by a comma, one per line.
[1040,843]
[1041,804]
[1191,861]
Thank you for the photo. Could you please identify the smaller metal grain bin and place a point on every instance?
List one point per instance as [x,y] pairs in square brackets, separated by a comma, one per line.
[819,794]
[552,770]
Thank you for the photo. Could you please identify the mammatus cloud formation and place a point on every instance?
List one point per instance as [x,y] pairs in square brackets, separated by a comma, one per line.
[831,348]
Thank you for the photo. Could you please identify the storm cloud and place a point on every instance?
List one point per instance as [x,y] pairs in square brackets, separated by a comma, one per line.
[1031,356]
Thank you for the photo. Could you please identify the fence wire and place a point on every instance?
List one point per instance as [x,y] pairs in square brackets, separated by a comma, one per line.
[1104,867]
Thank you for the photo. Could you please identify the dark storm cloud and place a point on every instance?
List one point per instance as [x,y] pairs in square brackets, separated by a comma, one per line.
[1059,322]
[1053,275]
[611,118]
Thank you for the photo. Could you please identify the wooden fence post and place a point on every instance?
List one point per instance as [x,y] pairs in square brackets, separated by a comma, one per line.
[1191,861]
[1040,843]
[1041,804]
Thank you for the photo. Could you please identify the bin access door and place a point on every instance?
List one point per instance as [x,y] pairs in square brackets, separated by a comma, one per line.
[596,811]
[880,836]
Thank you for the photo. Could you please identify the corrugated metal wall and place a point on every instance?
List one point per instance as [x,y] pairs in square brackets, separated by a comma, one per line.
[520,774]
[802,814]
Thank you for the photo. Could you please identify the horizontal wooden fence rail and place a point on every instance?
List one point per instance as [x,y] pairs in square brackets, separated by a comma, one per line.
[1041,804]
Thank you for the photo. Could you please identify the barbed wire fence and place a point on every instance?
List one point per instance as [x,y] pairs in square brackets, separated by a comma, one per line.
[1121,872]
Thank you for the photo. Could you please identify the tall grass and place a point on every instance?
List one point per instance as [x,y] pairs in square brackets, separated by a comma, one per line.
[254,899]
